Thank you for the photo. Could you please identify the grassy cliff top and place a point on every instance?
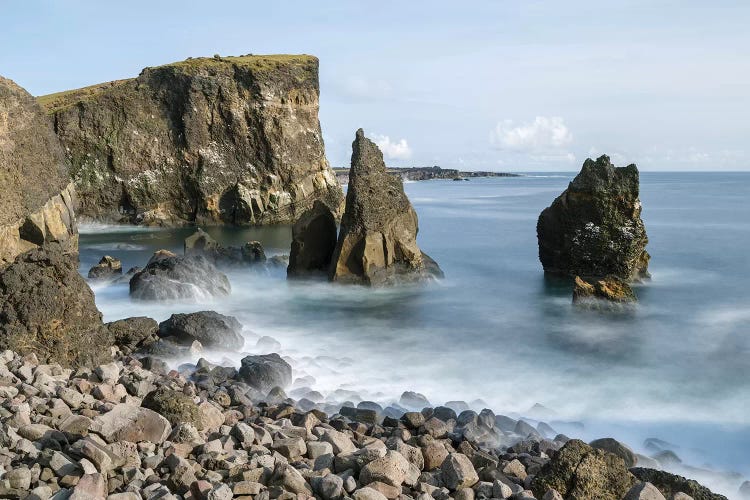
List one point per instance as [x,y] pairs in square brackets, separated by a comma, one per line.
[60,100]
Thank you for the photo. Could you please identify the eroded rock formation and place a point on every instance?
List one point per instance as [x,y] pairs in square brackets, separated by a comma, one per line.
[377,242]
[313,242]
[594,227]
[607,292]
[36,196]
[224,139]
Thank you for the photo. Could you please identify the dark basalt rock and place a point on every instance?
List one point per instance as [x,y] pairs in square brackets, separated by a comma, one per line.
[578,471]
[265,372]
[594,227]
[168,277]
[377,242]
[107,268]
[175,406]
[313,242]
[207,140]
[209,328]
[669,484]
[47,308]
[201,243]
[131,333]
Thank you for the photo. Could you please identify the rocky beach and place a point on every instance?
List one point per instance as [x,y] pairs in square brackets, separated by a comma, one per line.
[146,366]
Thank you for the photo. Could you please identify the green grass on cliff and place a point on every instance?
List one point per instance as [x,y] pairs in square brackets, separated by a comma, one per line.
[61,100]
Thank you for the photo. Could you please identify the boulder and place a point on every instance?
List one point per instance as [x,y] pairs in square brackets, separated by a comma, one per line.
[37,197]
[671,484]
[126,422]
[612,445]
[168,277]
[264,372]
[108,268]
[232,140]
[644,491]
[458,472]
[597,293]
[175,406]
[594,227]
[209,328]
[131,333]
[313,242]
[377,242]
[579,471]
[47,308]
[201,243]
[390,469]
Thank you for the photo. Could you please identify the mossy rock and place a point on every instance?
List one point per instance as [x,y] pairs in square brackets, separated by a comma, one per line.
[671,484]
[174,406]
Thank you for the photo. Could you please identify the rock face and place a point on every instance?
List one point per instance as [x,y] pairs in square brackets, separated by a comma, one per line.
[377,242]
[313,242]
[594,227]
[580,471]
[208,140]
[32,213]
[168,277]
[47,308]
[209,328]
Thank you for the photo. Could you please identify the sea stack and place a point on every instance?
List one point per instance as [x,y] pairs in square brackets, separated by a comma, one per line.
[313,242]
[46,307]
[377,242]
[232,140]
[594,228]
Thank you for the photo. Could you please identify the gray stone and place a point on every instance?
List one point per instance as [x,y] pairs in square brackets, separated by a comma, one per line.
[458,472]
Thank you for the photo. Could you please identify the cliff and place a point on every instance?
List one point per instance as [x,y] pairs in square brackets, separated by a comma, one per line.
[210,140]
[36,197]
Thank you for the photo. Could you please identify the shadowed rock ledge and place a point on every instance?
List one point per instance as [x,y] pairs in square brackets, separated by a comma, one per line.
[209,140]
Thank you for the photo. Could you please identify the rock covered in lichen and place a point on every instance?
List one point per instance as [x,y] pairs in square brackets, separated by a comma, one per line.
[594,227]
[602,292]
[377,242]
[215,140]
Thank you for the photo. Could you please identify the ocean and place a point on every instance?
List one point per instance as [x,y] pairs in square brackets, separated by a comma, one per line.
[496,333]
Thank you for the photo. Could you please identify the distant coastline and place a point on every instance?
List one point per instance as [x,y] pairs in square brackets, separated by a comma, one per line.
[428,173]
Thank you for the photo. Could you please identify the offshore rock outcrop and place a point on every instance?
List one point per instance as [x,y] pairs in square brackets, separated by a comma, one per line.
[209,140]
[594,227]
[169,277]
[377,242]
[36,196]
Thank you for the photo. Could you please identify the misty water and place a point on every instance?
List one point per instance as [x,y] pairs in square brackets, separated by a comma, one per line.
[495,330]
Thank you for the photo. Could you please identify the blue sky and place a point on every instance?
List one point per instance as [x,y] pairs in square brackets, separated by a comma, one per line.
[498,85]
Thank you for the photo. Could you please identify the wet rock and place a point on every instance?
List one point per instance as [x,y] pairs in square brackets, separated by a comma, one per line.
[313,242]
[377,238]
[613,446]
[594,227]
[202,244]
[265,372]
[107,268]
[47,308]
[580,471]
[670,484]
[209,328]
[602,293]
[175,406]
[179,278]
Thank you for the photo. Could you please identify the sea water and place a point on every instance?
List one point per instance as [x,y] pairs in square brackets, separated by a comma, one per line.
[496,333]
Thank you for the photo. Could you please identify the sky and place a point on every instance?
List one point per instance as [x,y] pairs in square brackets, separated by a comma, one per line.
[504,85]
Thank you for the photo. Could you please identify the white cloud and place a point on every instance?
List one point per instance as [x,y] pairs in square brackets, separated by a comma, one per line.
[543,134]
[394,150]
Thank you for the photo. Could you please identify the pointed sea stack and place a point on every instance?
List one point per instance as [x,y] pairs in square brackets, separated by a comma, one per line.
[377,242]
[594,228]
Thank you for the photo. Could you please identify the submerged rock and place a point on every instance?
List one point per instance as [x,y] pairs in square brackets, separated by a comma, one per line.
[47,308]
[201,243]
[313,242]
[377,242]
[215,140]
[107,268]
[168,277]
[602,293]
[594,227]
[580,471]
[37,197]
[209,328]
